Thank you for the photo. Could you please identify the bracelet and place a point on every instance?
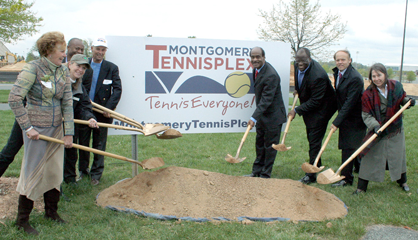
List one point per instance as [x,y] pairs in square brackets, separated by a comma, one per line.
[27,130]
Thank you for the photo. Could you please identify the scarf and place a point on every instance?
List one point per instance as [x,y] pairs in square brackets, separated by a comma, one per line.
[371,105]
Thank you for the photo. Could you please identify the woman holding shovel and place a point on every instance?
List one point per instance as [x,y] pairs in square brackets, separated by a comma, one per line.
[381,100]
[77,66]
[46,85]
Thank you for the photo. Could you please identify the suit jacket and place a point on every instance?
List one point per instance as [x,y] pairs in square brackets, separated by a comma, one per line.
[349,121]
[270,110]
[109,92]
[316,95]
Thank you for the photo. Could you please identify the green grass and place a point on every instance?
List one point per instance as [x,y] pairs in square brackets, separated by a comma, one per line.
[384,203]
[4,96]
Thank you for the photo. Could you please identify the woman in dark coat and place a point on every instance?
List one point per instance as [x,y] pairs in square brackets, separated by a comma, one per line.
[381,100]
[77,66]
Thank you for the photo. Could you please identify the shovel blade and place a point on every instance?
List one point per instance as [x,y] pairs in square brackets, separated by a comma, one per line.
[281,147]
[170,134]
[154,130]
[328,176]
[151,163]
[232,159]
[308,168]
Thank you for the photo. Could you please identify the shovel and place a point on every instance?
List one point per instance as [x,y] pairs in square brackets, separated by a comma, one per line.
[169,134]
[147,130]
[151,163]
[281,147]
[328,176]
[235,159]
[126,119]
[308,168]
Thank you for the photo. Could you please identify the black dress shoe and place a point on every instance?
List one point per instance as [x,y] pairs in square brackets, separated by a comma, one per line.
[404,187]
[307,180]
[358,192]
[251,175]
[341,183]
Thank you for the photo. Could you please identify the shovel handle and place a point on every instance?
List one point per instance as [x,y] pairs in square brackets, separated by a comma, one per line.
[107,125]
[295,99]
[50,139]
[323,147]
[372,137]
[115,113]
[243,139]
[118,118]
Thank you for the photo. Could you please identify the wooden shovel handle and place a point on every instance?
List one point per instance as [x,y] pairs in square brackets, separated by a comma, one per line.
[243,140]
[362,147]
[323,147]
[118,118]
[295,99]
[107,125]
[50,139]
[115,113]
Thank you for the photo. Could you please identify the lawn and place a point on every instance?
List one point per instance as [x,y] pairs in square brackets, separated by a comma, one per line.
[4,96]
[384,203]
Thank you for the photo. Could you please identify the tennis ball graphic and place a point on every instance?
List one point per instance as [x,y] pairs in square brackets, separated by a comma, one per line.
[237,84]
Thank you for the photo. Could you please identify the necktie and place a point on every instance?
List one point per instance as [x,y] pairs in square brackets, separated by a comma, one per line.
[300,78]
[340,76]
[256,73]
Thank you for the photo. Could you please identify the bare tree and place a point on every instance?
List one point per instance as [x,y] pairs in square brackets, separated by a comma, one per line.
[87,46]
[302,25]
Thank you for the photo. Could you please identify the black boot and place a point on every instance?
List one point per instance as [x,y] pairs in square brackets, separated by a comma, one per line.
[23,212]
[51,199]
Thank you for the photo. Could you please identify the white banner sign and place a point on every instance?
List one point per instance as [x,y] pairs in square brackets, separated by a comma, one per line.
[191,85]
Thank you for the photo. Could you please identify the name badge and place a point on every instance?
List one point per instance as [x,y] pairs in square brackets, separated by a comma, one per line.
[107,82]
[76,99]
[47,84]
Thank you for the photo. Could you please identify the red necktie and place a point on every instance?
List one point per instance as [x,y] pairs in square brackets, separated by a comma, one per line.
[340,77]
[256,73]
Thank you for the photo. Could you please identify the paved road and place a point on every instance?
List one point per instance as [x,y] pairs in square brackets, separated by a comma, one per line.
[8,76]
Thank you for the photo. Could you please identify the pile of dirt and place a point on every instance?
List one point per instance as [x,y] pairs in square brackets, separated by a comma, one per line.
[17,67]
[184,192]
[9,198]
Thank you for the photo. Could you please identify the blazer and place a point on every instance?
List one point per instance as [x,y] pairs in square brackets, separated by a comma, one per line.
[316,95]
[270,110]
[109,92]
[349,121]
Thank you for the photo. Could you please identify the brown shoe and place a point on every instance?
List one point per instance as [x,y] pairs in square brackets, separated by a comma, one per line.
[94,182]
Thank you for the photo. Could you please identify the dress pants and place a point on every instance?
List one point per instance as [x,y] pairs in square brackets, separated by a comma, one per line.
[99,142]
[266,154]
[347,172]
[13,145]
[315,137]
[70,158]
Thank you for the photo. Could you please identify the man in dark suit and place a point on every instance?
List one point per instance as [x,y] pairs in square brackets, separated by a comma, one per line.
[317,103]
[75,46]
[269,114]
[349,87]
[106,90]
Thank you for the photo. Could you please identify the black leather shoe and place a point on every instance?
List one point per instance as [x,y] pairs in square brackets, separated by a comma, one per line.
[307,180]
[405,187]
[341,183]
[358,192]
[251,175]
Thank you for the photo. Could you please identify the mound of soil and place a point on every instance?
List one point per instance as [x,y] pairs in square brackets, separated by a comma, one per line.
[184,192]
[9,198]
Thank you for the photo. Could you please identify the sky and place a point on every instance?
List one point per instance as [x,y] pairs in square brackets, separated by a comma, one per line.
[375,27]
